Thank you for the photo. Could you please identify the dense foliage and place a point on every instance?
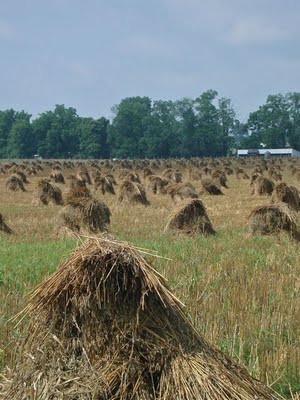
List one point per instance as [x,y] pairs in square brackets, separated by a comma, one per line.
[142,128]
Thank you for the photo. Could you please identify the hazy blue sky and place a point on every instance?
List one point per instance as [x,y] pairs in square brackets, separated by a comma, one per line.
[90,54]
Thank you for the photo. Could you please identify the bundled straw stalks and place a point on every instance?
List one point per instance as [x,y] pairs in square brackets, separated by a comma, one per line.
[132,193]
[172,175]
[57,177]
[157,184]
[253,179]
[105,326]
[68,221]
[194,174]
[83,175]
[22,176]
[228,171]
[241,174]
[286,194]
[190,218]
[210,187]
[104,184]
[131,176]
[15,183]
[111,178]
[273,219]
[180,191]
[262,187]
[3,226]
[74,182]
[275,175]
[82,213]
[207,172]
[220,177]
[147,172]
[85,215]
[48,194]
[223,181]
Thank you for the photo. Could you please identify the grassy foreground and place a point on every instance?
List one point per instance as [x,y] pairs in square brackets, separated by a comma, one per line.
[241,292]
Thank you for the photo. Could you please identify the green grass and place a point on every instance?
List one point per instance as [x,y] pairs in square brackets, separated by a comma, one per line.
[241,292]
[24,265]
[200,271]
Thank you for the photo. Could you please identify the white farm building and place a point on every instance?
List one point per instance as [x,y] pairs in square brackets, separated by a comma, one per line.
[268,153]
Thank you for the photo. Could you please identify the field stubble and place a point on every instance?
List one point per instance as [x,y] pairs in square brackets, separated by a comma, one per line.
[241,292]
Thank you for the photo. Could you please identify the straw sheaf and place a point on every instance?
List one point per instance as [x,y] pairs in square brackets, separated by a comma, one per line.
[104,184]
[241,174]
[4,227]
[147,172]
[22,176]
[132,192]
[262,186]
[274,219]
[172,175]
[190,218]
[83,175]
[180,191]
[105,326]
[286,194]
[194,174]
[275,175]
[157,184]
[111,178]
[83,214]
[77,192]
[15,183]
[48,194]
[210,187]
[57,177]
[132,176]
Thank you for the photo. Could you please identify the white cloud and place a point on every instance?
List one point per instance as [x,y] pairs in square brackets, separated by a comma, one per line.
[82,71]
[236,21]
[7,32]
[145,44]
[256,29]
[205,15]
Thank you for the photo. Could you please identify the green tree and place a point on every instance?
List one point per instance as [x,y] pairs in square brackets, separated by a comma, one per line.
[227,120]
[191,143]
[7,118]
[240,133]
[208,131]
[293,104]
[92,135]
[128,127]
[40,127]
[270,124]
[166,138]
[55,132]
[20,141]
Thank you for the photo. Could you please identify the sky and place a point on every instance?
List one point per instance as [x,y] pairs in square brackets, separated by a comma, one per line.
[91,54]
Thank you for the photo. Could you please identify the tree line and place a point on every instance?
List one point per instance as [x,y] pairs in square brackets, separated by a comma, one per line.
[142,128]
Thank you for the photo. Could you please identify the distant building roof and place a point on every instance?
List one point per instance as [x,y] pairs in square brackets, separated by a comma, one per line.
[272,152]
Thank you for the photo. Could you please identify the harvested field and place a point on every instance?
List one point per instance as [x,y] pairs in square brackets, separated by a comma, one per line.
[129,333]
[241,291]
